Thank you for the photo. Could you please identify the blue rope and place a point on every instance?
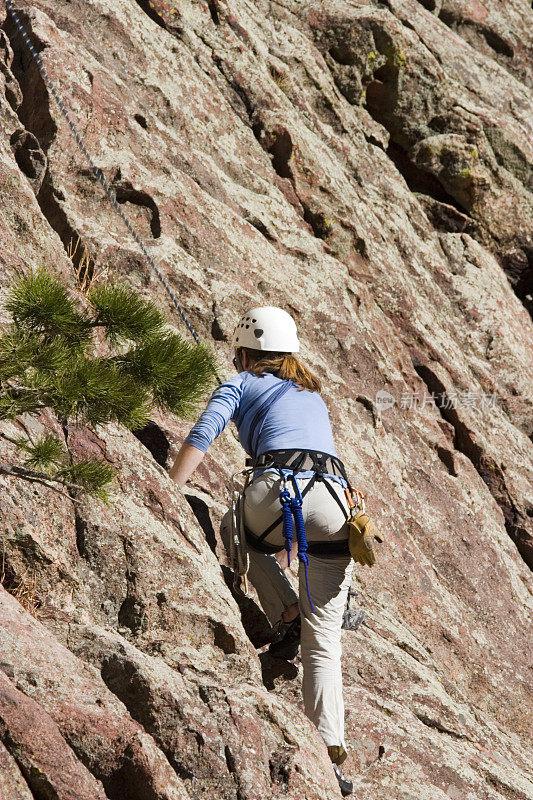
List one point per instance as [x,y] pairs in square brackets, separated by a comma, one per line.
[98,172]
[285,500]
[293,505]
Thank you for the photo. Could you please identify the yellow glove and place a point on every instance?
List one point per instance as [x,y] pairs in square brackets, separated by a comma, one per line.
[362,533]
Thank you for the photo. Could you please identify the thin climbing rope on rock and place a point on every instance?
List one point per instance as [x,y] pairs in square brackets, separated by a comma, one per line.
[97,172]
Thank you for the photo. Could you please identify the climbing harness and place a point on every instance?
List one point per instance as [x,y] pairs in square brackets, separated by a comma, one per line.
[98,172]
[300,461]
[320,464]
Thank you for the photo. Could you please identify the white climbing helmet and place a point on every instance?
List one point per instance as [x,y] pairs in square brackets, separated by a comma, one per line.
[267,328]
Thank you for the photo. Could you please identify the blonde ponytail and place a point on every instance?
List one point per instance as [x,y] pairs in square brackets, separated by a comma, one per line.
[285,366]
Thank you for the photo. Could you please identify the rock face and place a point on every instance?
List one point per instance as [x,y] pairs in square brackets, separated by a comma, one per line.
[368,166]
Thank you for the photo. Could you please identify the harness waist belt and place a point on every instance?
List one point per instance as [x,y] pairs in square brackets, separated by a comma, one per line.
[300,461]
[339,548]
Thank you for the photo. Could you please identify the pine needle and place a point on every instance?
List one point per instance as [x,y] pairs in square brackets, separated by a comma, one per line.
[174,370]
[43,453]
[94,476]
[39,303]
[124,314]
[24,589]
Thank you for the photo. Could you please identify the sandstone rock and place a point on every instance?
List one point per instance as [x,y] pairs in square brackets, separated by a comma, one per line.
[478,158]
[12,783]
[11,90]
[29,157]
[43,755]
[93,722]
[502,31]
[366,165]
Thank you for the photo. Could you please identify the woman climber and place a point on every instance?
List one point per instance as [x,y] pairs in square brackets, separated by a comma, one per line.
[284,426]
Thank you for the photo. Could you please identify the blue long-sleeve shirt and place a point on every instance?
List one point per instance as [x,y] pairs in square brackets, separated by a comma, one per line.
[298,419]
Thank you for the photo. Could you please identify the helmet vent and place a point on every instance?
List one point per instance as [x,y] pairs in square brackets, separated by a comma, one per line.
[258,332]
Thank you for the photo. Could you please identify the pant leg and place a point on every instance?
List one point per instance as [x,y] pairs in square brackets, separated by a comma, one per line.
[329,582]
[266,576]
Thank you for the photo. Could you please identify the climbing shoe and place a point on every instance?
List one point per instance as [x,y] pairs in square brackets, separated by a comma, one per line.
[286,647]
[353,617]
[345,785]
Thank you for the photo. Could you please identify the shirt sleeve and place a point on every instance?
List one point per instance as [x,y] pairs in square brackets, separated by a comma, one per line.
[222,406]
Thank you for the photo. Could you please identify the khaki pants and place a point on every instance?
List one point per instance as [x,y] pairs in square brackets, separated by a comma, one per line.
[329,581]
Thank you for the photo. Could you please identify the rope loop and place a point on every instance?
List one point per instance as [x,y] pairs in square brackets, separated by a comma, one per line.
[293,505]
[285,497]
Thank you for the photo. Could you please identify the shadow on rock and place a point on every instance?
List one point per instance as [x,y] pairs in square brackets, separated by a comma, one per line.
[254,621]
[272,668]
[200,509]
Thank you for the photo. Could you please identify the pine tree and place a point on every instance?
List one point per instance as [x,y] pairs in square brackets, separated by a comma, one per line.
[51,357]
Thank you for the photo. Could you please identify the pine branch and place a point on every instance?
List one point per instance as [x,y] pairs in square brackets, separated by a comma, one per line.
[17,349]
[46,452]
[36,477]
[11,409]
[124,314]
[9,439]
[17,400]
[25,355]
[95,391]
[47,361]
[24,391]
[172,369]
[92,475]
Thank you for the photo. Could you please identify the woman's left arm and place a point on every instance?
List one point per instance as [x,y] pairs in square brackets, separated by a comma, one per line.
[186,462]
[220,409]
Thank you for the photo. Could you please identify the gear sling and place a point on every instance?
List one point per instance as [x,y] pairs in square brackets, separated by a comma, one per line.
[296,460]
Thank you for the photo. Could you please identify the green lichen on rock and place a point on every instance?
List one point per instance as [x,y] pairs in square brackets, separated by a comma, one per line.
[395,57]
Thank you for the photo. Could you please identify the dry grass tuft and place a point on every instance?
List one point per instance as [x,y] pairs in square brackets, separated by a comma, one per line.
[22,587]
[85,266]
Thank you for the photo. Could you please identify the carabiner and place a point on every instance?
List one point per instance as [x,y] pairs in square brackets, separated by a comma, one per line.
[245,473]
[358,502]
[360,499]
